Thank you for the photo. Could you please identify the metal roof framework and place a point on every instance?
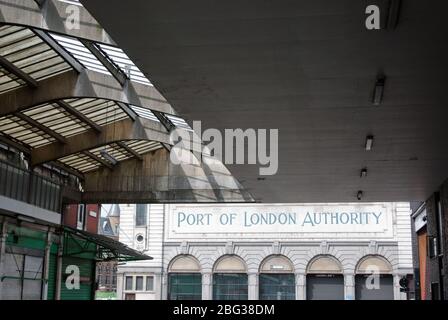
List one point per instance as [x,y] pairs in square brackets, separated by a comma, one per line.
[29,56]
[78,243]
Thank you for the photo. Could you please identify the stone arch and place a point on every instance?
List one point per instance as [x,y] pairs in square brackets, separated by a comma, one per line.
[373,262]
[184,263]
[276,263]
[230,263]
[325,264]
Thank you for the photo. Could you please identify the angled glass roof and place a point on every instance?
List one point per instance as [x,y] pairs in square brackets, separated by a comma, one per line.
[124,63]
[24,132]
[178,122]
[80,52]
[84,163]
[26,51]
[144,113]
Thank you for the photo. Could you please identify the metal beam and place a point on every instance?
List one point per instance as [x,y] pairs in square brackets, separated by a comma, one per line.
[67,169]
[87,84]
[41,127]
[98,159]
[131,114]
[118,131]
[131,151]
[60,51]
[79,115]
[164,121]
[6,139]
[10,67]
[106,62]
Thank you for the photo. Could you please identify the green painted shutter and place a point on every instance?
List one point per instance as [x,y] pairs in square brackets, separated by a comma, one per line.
[87,274]
[52,273]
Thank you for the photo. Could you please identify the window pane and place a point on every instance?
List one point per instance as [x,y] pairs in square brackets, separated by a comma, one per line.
[230,286]
[277,287]
[139,283]
[185,286]
[128,283]
[140,215]
[149,283]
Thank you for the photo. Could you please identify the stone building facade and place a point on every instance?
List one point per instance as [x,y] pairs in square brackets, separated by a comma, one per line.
[267,251]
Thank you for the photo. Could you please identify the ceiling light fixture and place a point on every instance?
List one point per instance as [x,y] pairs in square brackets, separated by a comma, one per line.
[369,142]
[359,195]
[108,157]
[363,172]
[378,92]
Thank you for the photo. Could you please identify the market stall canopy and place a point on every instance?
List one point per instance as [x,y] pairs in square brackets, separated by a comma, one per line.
[82,244]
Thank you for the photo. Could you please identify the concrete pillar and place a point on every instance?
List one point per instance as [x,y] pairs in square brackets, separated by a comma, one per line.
[120,281]
[164,286]
[300,286]
[3,236]
[207,286]
[252,281]
[349,286]
[46,270]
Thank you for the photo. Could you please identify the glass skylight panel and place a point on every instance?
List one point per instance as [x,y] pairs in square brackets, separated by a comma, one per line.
[80,52]
[100,111]
[57,119]
[23,132]
[122,60]
[143,146]
[80,162]
[178,122]
[113,150]
[144,113]
[29,53]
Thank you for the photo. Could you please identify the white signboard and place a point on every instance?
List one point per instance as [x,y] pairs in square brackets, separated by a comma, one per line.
[279,221]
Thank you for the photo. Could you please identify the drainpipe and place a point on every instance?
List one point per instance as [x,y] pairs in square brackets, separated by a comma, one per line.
[47,265]
[3,236]
[59,267]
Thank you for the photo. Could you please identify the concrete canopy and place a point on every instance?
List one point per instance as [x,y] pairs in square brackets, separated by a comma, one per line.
[309,69]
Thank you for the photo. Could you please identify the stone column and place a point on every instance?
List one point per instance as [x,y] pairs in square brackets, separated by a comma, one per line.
[252,281]
[207,286]
[120,280]
[300,286]
[163,286]
[397,294]
[349,286]
[3,236]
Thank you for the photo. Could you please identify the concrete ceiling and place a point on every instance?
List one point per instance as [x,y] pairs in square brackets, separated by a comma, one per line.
[307,68]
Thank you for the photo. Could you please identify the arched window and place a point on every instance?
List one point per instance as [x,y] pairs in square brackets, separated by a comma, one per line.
[276,279]
[184,279]
[230,279]
[374,280]
[324,280]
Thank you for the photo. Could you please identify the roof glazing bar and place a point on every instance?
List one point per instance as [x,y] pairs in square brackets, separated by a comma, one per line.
[98,159]
[79,115]
[129,150]
[10,67]
[59,50]
[127,110]
[41,127]
[106,62]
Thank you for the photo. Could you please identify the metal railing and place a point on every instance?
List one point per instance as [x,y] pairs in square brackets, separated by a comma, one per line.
[23,185]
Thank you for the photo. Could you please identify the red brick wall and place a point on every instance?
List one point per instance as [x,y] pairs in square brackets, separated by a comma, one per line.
[71,214]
